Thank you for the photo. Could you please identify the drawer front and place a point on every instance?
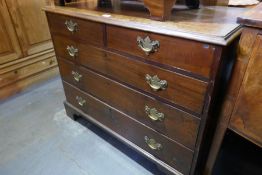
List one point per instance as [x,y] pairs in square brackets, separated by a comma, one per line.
[173,154]
[78,29]
[173,123]
[12,74]
[65,47]
[181,90]
[191,56]
[76,51]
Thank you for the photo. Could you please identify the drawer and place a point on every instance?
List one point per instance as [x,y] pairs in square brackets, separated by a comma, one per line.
[65,47]
[175,124]
[78,29]
[170,152]
[13,74]
[76,51]
[191,56]
[181,90]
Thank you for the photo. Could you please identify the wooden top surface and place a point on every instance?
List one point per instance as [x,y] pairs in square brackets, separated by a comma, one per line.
[252,17]
[215,25]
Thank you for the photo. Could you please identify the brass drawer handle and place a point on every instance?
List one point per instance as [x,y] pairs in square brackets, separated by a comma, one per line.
[71,26]
[155,83]
[72,51]
[153,144]
[80,101]
[147,45]
[153,114]
[77,76]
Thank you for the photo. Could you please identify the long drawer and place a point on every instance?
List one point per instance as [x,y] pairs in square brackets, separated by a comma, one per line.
[181,90]
[159,146]
[77,29]
[176,124]
[27,68]
[191,56]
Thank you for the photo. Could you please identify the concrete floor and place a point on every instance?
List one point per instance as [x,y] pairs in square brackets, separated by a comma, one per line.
[37,138]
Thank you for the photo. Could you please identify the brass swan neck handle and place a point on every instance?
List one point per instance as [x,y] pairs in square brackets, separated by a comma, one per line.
[147,45]
[155,83]
[153,144]
[153,114]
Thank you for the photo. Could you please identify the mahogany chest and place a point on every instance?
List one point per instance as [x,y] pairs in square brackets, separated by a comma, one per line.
[151,84]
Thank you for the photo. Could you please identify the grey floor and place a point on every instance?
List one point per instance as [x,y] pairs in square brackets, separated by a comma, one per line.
[37,138]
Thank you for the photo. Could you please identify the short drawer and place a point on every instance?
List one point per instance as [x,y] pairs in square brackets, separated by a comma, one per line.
[78,29]
[168,120]
[191,56]
[80,52]
[65,47]
[178,89]
[159,146]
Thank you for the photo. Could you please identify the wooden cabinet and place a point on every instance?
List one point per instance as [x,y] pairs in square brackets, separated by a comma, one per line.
[242,106]
[31,25]
[9,46]
[246,118]
[26,50]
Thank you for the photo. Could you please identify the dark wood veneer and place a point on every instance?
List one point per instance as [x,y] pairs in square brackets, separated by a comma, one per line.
[172,153]
[182,90]
[177,125]
[180,53]
[113,69]
[87,31]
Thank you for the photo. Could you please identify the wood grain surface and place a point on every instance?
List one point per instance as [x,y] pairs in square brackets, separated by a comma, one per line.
[246,118]
[181,90]
[245,49]
[209,24]
[172,153]
[252,18]
[178,125]
[190,56]
[9,45]
[31,25]
[159,9]
[88,31]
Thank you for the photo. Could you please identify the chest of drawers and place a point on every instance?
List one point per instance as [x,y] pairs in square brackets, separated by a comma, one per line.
[150,84]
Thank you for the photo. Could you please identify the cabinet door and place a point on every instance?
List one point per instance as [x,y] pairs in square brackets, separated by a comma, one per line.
[247,115]
[9,45]
[31,25]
